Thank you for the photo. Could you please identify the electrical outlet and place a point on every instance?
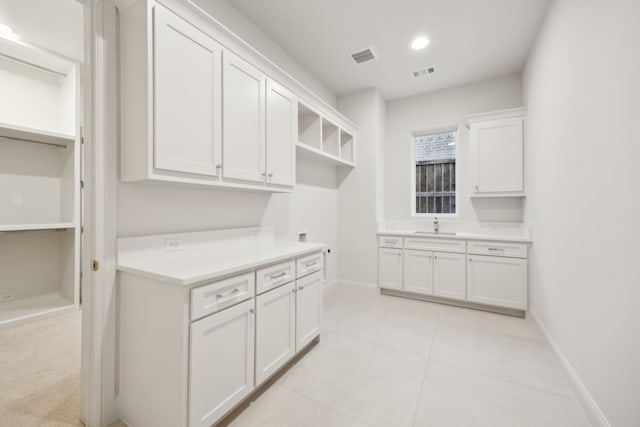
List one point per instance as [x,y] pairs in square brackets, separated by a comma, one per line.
[172,245]
[7,297]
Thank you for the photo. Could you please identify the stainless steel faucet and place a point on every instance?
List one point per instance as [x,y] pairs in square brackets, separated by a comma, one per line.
[436,225]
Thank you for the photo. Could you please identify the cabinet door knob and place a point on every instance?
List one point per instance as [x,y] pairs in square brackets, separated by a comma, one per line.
[271,175]
[263,174]
[251,310]
[476,188]
[300,288]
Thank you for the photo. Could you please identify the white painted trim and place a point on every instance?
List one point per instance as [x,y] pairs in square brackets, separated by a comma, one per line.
[591,408]
[329,286]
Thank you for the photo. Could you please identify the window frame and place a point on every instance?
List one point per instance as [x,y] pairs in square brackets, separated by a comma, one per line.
[412,174]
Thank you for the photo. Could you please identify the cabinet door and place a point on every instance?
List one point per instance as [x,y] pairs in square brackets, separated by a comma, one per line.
[390,268]
[449,275]
[275,330]
[187,97]
[497,281]
[418,272]
[221,363]
[497,153]
[244,120]
[282,118]
[308,308]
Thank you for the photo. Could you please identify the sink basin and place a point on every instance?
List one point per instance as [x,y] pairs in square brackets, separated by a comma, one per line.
[445,233]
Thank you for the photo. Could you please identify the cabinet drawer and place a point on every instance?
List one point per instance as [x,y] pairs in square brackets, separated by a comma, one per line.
[441,245]
[514,250]
[390,242]
[274,276]
[309,264]
[208,299]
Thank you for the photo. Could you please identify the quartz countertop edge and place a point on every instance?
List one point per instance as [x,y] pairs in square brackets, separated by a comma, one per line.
[156,269]
[457,236]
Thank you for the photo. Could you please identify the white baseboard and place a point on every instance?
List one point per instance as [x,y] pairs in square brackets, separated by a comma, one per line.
[329,286]
[591,408]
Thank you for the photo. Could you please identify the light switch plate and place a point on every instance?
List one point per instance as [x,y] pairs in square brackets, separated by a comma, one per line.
[172,245]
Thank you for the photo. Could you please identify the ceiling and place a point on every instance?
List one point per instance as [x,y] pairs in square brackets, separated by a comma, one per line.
[470,40]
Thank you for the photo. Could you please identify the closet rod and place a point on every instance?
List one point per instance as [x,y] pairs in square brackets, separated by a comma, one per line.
[53,144]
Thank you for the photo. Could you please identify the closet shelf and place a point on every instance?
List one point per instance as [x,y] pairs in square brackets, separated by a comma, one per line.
[18,133]
[36,227]
[304,150]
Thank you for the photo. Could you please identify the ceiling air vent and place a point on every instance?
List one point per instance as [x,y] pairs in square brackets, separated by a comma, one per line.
[423,72]
[363,55]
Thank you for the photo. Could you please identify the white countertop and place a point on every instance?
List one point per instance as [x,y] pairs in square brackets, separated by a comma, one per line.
[458,236]
[198,263]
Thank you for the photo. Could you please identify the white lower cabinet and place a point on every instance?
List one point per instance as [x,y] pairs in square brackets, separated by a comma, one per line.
[390,268]
[308,308]
[195,353]
[418,271]
[485,272]
[449,279]
[498,281]
[221,363]
[275,330]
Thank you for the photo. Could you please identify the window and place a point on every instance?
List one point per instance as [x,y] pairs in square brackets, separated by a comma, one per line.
[435,173]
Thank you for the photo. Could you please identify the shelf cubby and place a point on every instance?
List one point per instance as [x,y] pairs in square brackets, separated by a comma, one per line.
[330,138]
[346,146]
[309,127]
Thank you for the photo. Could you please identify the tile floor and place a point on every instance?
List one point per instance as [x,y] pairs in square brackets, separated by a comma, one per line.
[388,361]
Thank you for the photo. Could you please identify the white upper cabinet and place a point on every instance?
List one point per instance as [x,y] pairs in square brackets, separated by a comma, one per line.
[199,106]
[497,152]
[187,97]
[282,118]
[244,120]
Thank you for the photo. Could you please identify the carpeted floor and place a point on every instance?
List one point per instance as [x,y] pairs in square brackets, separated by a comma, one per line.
[40,374]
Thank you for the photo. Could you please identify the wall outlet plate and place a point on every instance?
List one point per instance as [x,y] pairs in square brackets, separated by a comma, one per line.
[7,297]
[172,245]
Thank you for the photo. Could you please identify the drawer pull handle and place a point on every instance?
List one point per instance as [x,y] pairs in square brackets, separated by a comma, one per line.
[228,294]
[310,263]
[497,249]
[279,275]
[390,242]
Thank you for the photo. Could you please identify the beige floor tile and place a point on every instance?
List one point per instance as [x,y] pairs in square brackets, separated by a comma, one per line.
[523,360]
[492,322]
[373,383]
[397,323]
[279,407]
[453,397]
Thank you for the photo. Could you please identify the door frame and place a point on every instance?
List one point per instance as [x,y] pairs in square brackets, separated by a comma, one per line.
[98,371]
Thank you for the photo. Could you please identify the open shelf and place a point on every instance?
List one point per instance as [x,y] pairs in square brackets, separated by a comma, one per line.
[309,129]
[346,146]
[304,151]
[32,308]
[36,227]
[330,138]
[19,133]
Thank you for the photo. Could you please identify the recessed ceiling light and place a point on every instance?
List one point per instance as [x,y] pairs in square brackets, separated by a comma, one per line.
[5,30]
[419,43]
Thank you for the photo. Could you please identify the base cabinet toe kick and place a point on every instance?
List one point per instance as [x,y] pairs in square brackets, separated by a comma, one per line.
[189,355]
[490,275]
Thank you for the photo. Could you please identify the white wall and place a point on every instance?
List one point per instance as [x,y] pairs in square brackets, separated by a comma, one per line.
[582,88]
[437,110]
[359,190]
[234,20]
